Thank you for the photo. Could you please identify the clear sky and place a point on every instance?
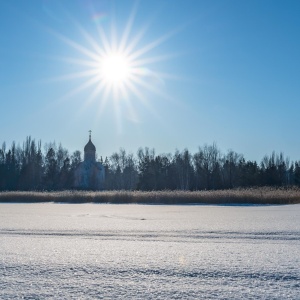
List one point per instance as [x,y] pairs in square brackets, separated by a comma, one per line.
[192,73]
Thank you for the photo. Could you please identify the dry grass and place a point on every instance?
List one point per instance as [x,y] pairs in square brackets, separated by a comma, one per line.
[264,195]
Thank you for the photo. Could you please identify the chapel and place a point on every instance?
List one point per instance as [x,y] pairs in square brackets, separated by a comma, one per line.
[90,174]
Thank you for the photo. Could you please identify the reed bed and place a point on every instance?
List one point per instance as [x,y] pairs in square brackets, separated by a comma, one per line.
[263,195]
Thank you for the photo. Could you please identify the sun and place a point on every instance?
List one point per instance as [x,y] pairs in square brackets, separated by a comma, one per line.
[115,68]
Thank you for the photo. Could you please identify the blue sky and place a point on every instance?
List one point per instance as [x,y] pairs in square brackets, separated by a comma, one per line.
[214,71]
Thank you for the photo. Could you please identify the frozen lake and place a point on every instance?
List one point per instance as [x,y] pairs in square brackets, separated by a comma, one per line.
[95,251]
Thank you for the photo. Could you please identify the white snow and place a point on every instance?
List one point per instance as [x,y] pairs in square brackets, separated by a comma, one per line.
[96,251]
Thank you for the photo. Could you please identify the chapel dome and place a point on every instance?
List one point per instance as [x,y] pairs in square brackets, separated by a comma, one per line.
[89,146]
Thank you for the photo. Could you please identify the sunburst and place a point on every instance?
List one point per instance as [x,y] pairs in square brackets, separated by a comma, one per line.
[114,70]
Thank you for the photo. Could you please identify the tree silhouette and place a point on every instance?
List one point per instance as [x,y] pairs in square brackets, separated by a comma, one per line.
[28,168]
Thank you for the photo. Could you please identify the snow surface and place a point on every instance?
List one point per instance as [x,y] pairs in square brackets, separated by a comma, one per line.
[97,251]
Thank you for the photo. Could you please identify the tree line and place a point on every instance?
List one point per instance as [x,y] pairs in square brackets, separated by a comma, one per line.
[31,167]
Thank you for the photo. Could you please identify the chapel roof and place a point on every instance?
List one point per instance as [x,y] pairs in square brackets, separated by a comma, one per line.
[89,146]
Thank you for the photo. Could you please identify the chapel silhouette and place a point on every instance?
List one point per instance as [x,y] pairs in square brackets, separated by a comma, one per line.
[90,174]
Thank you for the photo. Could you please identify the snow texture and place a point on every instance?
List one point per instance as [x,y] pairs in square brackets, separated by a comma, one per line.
[97,251]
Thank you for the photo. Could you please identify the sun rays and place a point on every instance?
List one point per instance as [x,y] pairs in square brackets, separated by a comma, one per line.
[116,71]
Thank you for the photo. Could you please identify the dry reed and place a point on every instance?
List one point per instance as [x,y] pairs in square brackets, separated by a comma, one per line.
[264,195]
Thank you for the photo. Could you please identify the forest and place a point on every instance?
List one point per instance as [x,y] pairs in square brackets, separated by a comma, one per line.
[36,167]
